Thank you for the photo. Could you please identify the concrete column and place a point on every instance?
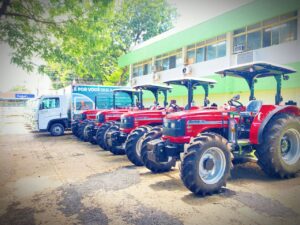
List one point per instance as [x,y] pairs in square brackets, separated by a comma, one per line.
[184,56]
[130,73]
[229,48]
[152,63]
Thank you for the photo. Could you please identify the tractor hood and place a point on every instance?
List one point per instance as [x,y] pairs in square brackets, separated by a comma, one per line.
[113,111]
[192,114]
[140,113]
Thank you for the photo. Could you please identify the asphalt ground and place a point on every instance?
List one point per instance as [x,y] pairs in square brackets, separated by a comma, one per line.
[61,180]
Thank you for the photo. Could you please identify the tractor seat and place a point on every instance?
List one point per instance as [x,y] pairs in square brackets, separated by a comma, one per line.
[253,107]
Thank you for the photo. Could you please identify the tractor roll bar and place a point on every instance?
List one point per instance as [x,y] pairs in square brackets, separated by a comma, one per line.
[155,89]
[130,92]
[251,71]
[190,83]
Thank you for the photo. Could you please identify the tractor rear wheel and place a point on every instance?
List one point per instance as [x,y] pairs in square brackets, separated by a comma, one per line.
[133,145]
[100,135]
[206,164]
[279,154]
[155,166]
[116,150]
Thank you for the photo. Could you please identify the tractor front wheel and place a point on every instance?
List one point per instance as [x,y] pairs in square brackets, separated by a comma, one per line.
[206,164]
[116,150]
[100,135]
[279,154]
[155,166]
[81,130]
[133,145]
[86,131]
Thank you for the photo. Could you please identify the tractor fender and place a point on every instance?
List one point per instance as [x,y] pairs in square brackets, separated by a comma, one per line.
[268,112]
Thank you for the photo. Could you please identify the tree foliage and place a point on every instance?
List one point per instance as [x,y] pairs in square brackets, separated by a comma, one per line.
[19,88]
[80,40]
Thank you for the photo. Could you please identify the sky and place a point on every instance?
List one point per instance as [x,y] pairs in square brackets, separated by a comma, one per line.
[191,12]
[12,75]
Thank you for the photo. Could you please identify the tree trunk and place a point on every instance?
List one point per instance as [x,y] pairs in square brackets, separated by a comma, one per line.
[124,71]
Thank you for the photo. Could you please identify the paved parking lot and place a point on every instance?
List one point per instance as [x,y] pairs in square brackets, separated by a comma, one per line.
[48,180]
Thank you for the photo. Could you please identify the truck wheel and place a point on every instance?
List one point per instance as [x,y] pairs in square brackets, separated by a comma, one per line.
[101,134]
[279,154]
[116,150]
[154,166]
[206,164]
[133,145]
[57,129]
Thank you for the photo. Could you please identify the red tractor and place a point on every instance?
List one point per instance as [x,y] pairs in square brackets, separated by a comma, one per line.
[106,118]
[135,138]
[81,121]
[211,140]
[116,135]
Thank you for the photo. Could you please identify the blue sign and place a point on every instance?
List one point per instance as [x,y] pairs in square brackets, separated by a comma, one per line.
[24,95]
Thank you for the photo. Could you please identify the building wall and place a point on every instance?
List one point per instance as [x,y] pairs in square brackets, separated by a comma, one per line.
[287,53]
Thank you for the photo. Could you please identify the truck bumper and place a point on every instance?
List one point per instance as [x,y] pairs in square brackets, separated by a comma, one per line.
[160,150]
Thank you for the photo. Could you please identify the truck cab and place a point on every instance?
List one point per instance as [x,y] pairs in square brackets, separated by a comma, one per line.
[52,114]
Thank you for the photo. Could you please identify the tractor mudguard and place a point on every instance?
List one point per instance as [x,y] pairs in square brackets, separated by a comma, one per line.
[266,113]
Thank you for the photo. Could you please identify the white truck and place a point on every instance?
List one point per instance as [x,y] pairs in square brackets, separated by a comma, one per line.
[54,113]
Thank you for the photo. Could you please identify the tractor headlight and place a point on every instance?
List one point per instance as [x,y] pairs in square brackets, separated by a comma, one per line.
[174,128]
[173,125]
[83,116]
[127,122]
[101,118]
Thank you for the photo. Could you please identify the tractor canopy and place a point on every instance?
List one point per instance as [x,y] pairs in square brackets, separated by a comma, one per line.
[191,83]
[130,92]
[155,89]
[251,71]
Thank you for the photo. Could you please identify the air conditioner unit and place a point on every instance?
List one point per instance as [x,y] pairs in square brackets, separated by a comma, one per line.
[187,70]
[156,77]
[245,57]
[238,48]
[133,82]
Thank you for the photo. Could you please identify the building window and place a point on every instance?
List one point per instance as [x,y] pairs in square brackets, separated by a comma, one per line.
[142,68]
[169,60]
[207,50]
[273,31]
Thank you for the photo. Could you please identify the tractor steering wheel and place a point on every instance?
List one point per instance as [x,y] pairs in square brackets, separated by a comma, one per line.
[235,103]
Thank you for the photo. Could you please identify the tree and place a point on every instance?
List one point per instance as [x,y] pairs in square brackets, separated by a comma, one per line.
[19,88]
[80,40]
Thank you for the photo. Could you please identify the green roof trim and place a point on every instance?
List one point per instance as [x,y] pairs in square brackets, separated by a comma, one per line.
[247,14]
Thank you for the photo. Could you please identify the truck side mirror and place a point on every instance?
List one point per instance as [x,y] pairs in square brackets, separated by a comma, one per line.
[42,106]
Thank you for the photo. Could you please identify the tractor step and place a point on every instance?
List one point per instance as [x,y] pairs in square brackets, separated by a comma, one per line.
[243,142]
